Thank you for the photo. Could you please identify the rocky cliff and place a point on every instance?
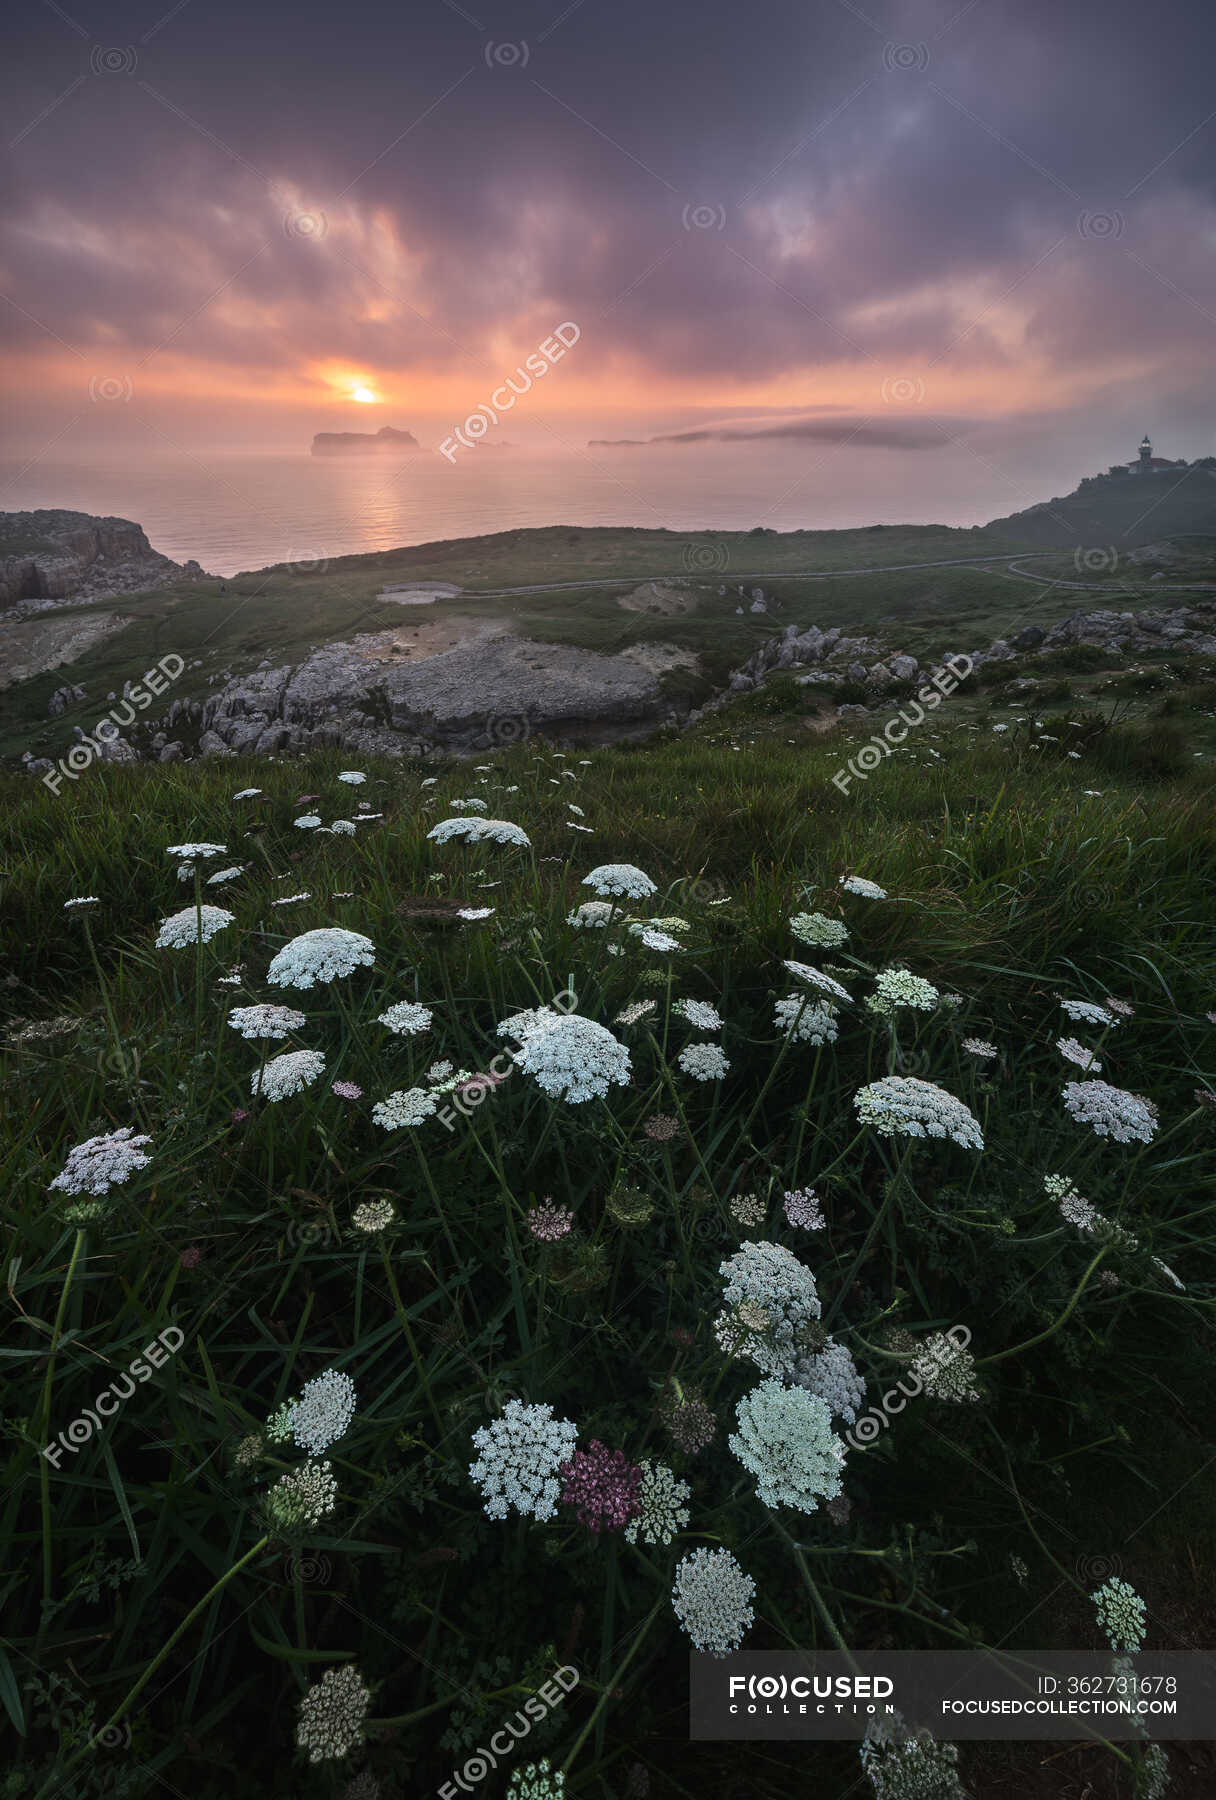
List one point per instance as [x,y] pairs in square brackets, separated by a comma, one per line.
[49,557]
[359,443]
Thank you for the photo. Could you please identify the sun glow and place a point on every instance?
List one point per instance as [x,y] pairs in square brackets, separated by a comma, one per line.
[365,396]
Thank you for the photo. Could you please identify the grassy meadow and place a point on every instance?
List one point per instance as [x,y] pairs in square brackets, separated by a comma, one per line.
[167,1614]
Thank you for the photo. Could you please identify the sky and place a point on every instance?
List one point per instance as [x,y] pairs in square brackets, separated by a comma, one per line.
[894,224]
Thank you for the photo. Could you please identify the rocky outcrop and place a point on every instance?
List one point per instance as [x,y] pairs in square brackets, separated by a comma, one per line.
[48,558]
[491,689]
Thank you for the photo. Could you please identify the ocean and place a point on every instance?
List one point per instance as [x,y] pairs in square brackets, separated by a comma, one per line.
[243,510]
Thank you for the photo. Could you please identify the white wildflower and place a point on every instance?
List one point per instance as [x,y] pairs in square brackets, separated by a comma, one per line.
[592,914]
[620,878]
[477,831]
[980,1048]
[332,1714]
[373,1215]
[408,1106]
[1078,1053]
[303,1497]
[307,821]
[661,1497]
[288,1074]
[101,1163]
[819,931]
[712,1598]
[904,1105]
[899,987]
[785,1439]
[519,1456]
[1087,1013]
[323,1412]
[352,777]
[1111,1111]
[573,1058]
[700,1014]
[771,1300]
[406,1019]
[815,978]
[192,925]
[832,1374]
[1121,1614]
[945,1369]
[806,1021]
[704,1062]
[857,884]
[323,955]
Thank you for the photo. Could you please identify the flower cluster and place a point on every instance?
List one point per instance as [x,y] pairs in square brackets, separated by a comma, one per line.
[101,1163]
[748,1209]
[572,1058]
[803,1209]
[592,914]
[832,1374]
[302,1498]
[819,931]
[406,1018]
[826,984]
[905,1105]
[913,1767]
[1111,1111]
[547,1222]
[624,879]
[262,1022]
[769,1281]
[704,1062]
[690,1424]
[661,1508]
[1121,1614]
[946,1370]
[332,1714]
[806,1021]
[700,1014]
[712,1598]
[480,831]
[324,1410]
[408,1106]
[857,884]
[287,1074]
[537,1781]
[899,987]
[373,1215]
[785,1439]
[1087,1013]
[602,1486]
[1079,1053]
[193,925]
[323,955]
[980,1048]
[520,1455]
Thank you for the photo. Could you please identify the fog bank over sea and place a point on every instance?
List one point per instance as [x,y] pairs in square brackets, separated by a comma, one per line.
[244,510]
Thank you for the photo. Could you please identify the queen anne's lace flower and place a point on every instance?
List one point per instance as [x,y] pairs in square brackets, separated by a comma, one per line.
[700,1014]
[832,1374]
[637,1009]
[1111,1111]
[194,924]
[324,1410]
[712,1598]
[343,828]
[101,1163]
[406,1018]
[910,1767]
[408,1106]
[591,915]
[704,1062]
[771,1299]
[980,1048]
[826,984]
[661,1500]
[806,1021]
[602,1486]
[785,1439]
[288,1074]
[620,878]
[946,1370]
[899,987]
[1087,1013]
[247,794]
[322,955]
[520,1455]
[906,1106]
[352,777]
[196,852]
[473,914]
[1121,1614]
[264,1021]
[804,1209]
[332,1714]
[857,884]
[373,1215]
[537,1781]
[480,831]
[547,1222]
[748,1209]
[653,939]
[307,821]
[224,875]
[819,931]
[572,1058]
[1078,1053]
[303,1497]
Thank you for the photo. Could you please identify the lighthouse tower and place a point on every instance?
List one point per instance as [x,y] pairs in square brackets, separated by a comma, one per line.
[1146,454]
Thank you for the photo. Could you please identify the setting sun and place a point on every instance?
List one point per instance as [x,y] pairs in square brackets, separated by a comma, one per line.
[365,396]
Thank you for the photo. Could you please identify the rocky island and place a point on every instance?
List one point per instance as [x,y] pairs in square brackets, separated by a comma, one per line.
[363,443]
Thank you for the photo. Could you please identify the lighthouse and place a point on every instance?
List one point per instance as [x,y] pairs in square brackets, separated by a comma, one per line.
[1146,454]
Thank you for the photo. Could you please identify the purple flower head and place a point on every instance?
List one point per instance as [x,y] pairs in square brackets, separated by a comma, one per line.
[602,1485]
[547,1222]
